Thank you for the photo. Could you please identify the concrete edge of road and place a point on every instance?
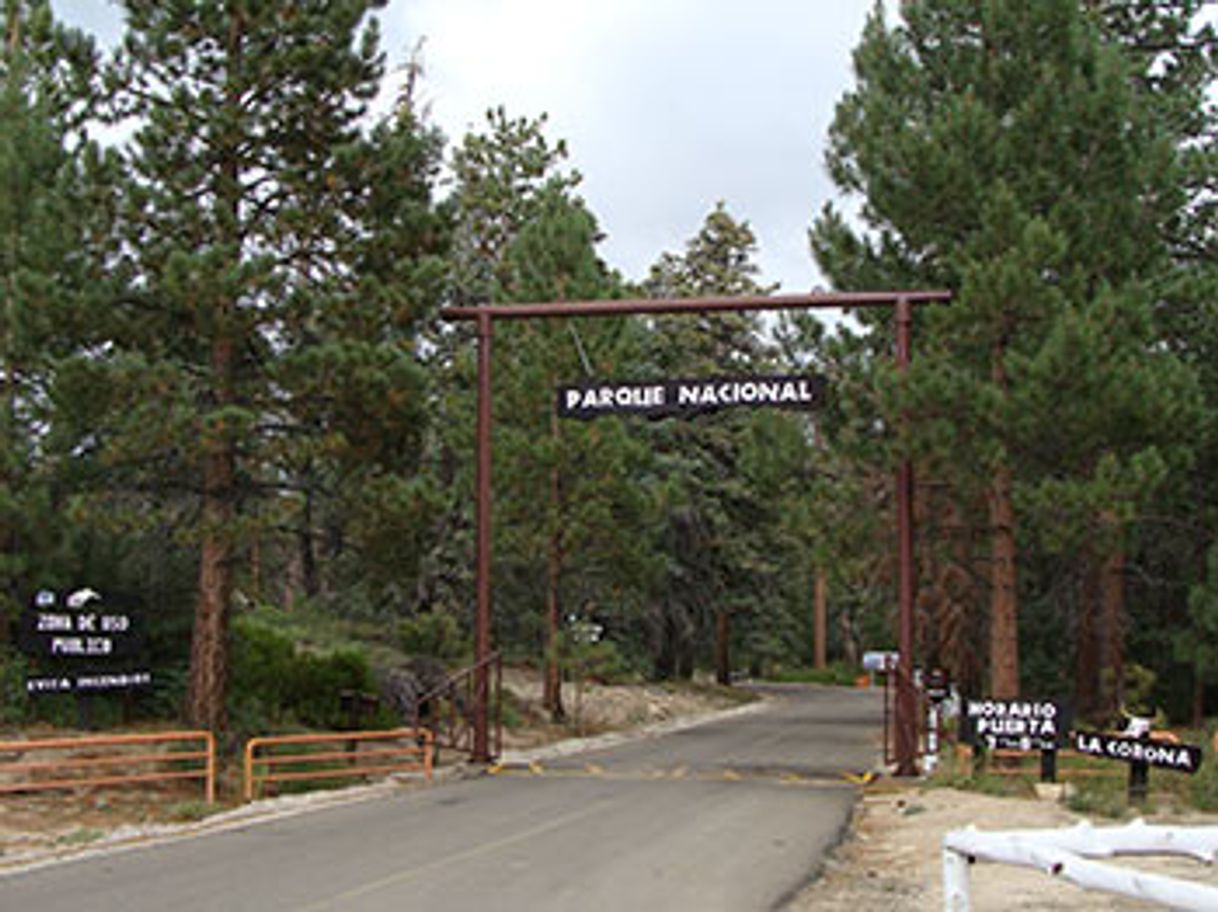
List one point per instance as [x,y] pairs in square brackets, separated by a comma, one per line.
[135,836]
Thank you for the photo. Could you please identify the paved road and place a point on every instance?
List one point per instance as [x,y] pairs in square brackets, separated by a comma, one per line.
[735,815]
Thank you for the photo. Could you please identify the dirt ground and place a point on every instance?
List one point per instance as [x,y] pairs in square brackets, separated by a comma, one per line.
[892,860]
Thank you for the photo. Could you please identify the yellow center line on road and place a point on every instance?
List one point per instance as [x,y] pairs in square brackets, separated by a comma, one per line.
[340,899]
[680,773]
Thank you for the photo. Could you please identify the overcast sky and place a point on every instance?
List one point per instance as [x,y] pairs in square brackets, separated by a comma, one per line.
[667,105]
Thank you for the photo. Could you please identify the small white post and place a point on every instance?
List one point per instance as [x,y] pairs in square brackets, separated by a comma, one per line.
[955,881]
[931,760]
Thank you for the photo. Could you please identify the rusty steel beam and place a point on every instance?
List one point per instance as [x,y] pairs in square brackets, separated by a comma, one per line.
[482,616]
[629,307]
[907,700]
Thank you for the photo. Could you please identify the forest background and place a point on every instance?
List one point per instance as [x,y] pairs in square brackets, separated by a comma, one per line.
[228,397]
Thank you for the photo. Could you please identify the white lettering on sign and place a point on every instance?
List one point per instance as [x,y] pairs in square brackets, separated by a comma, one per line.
[81,646]
[984,709]
[1039,728]
[82,623]
[47,685]
[115,680]
[745,392]
[607,398]
[671,397]
[1019,724]
[1180,757]
[110,681]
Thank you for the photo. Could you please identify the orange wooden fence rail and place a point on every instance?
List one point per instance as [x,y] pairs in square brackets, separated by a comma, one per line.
[68,772]
[347,760]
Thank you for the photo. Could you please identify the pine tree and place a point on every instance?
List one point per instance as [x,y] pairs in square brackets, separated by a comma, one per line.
[48,90]
[1002,151]
[563,481]
[1197,644]
[711,521]
[522,234]
[263,239]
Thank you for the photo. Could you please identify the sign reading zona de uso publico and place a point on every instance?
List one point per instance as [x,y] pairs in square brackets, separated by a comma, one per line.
[1014,724]
[1183,758]
[671,398]
[71,631]
[77,631]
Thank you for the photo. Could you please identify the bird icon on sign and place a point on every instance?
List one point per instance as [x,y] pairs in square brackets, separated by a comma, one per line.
[82,597]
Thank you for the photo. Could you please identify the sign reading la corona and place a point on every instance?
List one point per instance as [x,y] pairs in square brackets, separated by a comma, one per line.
[1183,758]
[671,398]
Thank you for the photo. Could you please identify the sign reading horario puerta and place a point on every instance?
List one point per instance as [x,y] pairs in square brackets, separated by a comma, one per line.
[1014,724]
[669,398]
[79,630]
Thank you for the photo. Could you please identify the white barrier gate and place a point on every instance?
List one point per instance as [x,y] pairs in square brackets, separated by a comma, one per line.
[1064,853]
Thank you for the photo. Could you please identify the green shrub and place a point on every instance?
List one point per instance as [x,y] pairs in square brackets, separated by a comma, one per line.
[1105,796]
[838,673]
[434,633]
[276,685]
[15,708]
[1202,786]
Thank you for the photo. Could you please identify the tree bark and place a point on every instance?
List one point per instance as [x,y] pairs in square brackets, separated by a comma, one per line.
[208,680]
[820,623]
[1112,627]
[1198,700]
[723,660]
[1004,606]
[1087,643]
[552,684]
[1004,599]
[209,642]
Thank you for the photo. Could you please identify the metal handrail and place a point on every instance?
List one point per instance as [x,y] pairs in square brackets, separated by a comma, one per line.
[206,772]
[454,728]
[389,760]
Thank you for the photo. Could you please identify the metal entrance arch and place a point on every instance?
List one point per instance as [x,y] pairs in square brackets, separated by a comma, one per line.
[485,316]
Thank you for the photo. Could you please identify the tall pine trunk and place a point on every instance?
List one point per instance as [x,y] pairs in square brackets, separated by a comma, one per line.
[723,660]
[1112,627]
[552,685]
[1004,605]
[208,681]
[1100,634]
[1087,642]
[209,642]
[1004,599]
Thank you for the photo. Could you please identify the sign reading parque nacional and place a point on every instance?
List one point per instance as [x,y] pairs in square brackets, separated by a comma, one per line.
[671,398]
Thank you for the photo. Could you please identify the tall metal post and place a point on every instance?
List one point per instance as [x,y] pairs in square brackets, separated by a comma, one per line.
[482,619]
[906,703]
[485,315]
